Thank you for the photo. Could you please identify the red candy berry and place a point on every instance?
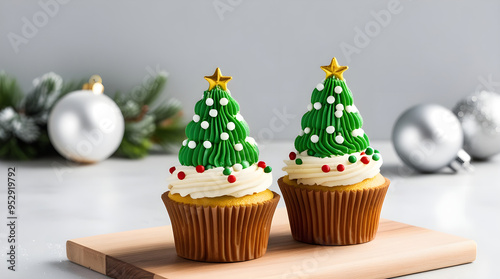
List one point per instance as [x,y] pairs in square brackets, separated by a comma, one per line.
[365,160]
[362,153]
[340,167]
[292,155]
[181,175]
[231,178]
[200,168]
[261,164]
[325,168]
[171,170]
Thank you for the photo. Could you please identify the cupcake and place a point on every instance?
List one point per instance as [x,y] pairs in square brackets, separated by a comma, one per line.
[334,190]
[218,200]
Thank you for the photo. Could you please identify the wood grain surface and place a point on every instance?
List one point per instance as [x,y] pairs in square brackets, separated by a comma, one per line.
[398,249]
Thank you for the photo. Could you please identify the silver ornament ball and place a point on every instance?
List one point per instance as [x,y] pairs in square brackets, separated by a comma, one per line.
[429,137]
[479,115]
[85,127]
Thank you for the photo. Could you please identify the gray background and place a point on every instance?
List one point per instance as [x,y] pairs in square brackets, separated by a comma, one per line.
[432,51]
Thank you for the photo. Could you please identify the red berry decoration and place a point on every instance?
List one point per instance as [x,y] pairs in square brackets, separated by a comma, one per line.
[340,167]
[171,170]
[325,168]
[200,168]
[365,160]
[231,178]
[181,175]
[292,155]
[362,153]
[261,164]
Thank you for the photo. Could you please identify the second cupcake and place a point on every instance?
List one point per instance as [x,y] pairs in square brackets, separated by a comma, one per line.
[334,190]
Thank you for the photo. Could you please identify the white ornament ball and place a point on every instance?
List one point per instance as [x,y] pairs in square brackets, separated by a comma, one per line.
[429,137]
[85,127]
[479,115]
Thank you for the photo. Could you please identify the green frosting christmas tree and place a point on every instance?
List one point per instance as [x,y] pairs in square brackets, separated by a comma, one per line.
[218,135]
[332,126]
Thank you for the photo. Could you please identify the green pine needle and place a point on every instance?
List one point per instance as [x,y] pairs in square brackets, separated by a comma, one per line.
[10,93]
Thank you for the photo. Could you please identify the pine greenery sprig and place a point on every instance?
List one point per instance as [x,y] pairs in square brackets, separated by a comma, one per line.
[23,118]
[146,124]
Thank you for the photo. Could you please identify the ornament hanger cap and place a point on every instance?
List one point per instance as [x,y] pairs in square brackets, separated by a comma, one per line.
[94,84]
[462,161]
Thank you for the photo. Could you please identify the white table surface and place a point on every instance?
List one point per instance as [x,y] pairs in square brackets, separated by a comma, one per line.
[58,200]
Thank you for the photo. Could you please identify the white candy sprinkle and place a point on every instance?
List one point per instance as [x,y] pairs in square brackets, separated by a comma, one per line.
[196,118]
[320,86]
[207,144]
[184,142]
[223,101]
[314,138]
[239,117]
[339,107]
[230,126]
[317,105]
[213,112]
[192,144]
[251,140]
[352,108]
[338,89]
[309,107]
[209,101]
[307,130]
[358,132]
[205,125]
[237,167]
[301,133]
[339,139]
[330,129]
[238,147]
[330,99]
[224,136]
[338,114]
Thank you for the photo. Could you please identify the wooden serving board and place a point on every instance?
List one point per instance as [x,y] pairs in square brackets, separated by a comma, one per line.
[398,249]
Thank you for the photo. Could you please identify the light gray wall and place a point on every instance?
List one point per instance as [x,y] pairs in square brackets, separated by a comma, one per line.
[429,51]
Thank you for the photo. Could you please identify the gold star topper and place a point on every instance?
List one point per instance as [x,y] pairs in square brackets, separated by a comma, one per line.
[334,69]
[217,79]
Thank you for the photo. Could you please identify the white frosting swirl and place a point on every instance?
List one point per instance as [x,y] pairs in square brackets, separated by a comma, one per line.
[213,183]
[310,172]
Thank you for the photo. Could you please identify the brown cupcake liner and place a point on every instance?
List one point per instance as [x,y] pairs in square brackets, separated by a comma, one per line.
[221,234]
[333,217]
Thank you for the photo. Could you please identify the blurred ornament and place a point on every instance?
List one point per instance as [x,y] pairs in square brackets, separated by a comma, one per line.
[429,137]
[86,126]
[479,115]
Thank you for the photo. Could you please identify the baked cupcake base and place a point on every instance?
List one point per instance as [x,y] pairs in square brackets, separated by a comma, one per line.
[221,233]
[331,217]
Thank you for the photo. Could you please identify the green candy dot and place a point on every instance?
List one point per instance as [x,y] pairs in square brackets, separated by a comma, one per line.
[376,151]
[298,161]
[376,157]
[310,152]
[209,167]
[352,159]
[227,171]
[369,151]
[245,164]
[268,169]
